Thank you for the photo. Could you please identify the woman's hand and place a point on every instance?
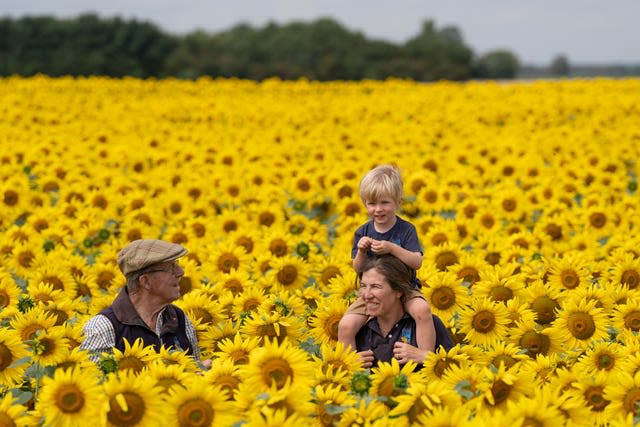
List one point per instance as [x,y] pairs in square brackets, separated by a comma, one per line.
[367,358]
[403,352]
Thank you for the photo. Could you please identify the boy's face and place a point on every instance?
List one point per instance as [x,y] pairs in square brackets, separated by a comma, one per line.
[382,211]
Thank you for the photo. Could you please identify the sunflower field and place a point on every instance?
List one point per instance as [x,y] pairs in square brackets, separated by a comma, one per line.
[525,199]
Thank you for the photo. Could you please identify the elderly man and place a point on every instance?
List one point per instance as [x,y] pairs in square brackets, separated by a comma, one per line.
[143,307]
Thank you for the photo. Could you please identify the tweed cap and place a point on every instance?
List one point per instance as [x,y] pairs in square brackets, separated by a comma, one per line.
[143,253]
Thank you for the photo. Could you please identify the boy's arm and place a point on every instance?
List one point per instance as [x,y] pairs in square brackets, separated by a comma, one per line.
[411,259]
[361,253]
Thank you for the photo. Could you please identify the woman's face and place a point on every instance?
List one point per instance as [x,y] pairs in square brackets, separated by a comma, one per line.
[380,298]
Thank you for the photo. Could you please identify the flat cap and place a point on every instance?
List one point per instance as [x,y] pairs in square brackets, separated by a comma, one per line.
[143,253]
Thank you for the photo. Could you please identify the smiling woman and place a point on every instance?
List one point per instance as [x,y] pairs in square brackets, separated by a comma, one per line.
[390,332]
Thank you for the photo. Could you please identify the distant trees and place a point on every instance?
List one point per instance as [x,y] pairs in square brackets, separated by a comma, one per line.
[497,64]
[320,50]
[559,66]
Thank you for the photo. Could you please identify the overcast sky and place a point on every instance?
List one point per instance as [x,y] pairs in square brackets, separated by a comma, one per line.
[586,31]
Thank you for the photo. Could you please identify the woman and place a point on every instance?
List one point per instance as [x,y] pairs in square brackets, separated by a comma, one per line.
[390,332]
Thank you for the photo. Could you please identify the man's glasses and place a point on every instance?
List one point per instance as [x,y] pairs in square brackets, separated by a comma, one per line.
[173,269]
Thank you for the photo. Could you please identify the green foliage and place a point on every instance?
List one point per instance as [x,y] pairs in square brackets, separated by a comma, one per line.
[497,64]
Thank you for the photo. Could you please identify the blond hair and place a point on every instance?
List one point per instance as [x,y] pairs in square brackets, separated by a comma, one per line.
[381,181]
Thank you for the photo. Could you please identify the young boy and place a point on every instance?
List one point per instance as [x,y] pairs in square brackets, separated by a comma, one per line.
[386,233]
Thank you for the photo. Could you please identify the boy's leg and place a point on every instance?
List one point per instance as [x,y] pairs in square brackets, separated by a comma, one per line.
[348,327]
[419,309]
[351,323]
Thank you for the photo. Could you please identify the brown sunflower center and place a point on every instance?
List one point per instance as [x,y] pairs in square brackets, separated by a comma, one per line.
[202,315]
[439,238]
[581,325]
[6,357]
[228,261]
[469,274]
[487,221]
[492,258]
[329,273]
[446,258]
[504,359]
[598,219]
[484,321]
[11,198]
[132,363]
[266,219]
[4,298]
[105,278]
[431,196]
[443,298]
[509,205]
[246,243]
[554,231]
[25,258]
[569,279]
[594,396]
[544,306]
[131,414]
[631,400]
[331,326]
[605,361]
[276,371]
[199,229]
[279,247]
[632,321]
[234,285]
[69,398]
[287,275]
[535,343]
[500,391]
[229,226]
[228,383]
[501,293]
[630,278]
[195,412]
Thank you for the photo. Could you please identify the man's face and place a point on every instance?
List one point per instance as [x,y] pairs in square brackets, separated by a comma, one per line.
[164,280]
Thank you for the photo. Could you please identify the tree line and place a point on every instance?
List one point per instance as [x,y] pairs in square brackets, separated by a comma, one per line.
[319,50]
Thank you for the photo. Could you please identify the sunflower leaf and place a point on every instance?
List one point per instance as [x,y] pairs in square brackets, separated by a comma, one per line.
[20,362]
[21,396]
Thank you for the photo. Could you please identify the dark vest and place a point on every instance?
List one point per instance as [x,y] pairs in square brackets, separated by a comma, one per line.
[128,325]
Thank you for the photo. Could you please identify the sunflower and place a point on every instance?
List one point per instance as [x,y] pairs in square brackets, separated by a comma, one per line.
[625,271]
[77,359]
[134,400]
[288,273]
[135,357]
[424,397]
[29,323]
[246,239]
[484,321]
[540,409]
[467,380]
[329,268]
[533,339]
[201,309]
[442,416]
[14,414]
[199,403]
[273,326]
[247,303]
[625,318]
[510,204]
[258,405]
[224,374]
[276,242]
[468,268]
[601,357]
[49,347]
[581,323]
[210,338]
[569,272]
[344,287]
[504,354]
[334,360]
[501,386]
[325,319]
[443,256]
[237,349]
[277,365]
[12,350]
[65,310]
[364,413]
[284,303]
[590,392]
[9,296]
[497,287]
[24,258]
[437,363]
[44,293]
[225,257]
[445,294]
[236,282]
[171,356]
[519,312]
[70,398]
[325,400]
[544,301]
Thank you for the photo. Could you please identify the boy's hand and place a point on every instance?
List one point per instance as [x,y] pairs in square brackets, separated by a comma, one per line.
[364,243]
[381,247]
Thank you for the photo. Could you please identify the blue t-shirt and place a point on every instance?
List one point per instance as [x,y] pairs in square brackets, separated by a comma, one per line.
[403,234]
